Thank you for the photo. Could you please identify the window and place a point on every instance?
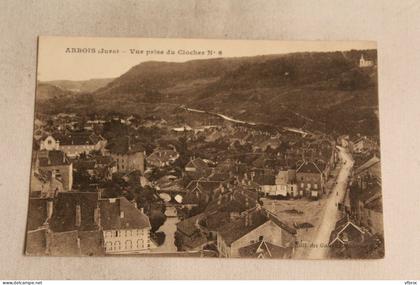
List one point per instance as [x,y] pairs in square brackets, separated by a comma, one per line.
[302,185]
[108,246]
[308,185]
[128,244]
[315,186]
[49,142]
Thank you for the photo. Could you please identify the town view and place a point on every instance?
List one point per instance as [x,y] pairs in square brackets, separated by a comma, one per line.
[271,156]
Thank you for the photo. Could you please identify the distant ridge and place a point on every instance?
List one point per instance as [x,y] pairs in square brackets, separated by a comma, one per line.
[83,86]
[327,88]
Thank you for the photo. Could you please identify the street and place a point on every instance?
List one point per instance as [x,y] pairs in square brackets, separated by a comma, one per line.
[331,213]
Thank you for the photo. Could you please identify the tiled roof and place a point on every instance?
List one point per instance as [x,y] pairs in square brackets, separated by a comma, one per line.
[264,249]
[265,179]
[368,164]
[84,164]
[124,145]
[238,201]
[36,242]
[375,203]
[103,159]
[111,218]
[37,213]
[308,167]
[162,155]
[203,186]
[340,226]
[238,228]
[76,243]
[64,213]
[188,226]
[52,158]
[371,189]
[76,138]
[197,163]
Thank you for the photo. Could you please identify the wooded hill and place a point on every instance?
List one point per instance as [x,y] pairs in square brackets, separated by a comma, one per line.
[328,88]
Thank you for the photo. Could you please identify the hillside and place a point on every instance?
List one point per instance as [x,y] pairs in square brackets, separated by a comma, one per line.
[326,91]
[84,86]
[47,91]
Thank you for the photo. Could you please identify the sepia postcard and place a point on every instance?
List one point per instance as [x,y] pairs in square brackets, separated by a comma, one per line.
[206,148]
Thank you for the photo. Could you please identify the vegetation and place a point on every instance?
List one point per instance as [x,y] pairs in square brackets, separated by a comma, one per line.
[324,91]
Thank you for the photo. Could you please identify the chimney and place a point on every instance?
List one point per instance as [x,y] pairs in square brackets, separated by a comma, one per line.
[78,216]
[78,245]
[246,220]
[49,209]
[97,216]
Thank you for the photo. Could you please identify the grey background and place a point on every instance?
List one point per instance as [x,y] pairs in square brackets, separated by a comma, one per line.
[396,28]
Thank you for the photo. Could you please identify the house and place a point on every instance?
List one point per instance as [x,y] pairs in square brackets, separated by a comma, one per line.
[101,167]
[188,236]
[128,156]
[226,208]
[372,215]
[346,232]
[310,180]
[253,226]
[287,177]
[57,162]
[364,62]
[240,136]
[363,144]
[162,157]
[65,226]
[49,143]
[367,203]
[371,166]
[272,142]
[283,184]
[197,168]
[125,228]
[264,249]
[74,144]
[202,191]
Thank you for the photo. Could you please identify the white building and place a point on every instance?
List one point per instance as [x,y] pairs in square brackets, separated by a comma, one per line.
[125,228]
[365,63]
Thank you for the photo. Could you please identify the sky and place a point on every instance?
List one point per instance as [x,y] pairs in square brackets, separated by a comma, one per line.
[67,58]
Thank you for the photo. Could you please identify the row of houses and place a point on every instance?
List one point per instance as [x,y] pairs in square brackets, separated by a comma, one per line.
[83,223]
[359,234]
[235,225]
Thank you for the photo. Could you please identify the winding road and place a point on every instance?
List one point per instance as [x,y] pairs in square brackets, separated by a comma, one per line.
[331,213]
